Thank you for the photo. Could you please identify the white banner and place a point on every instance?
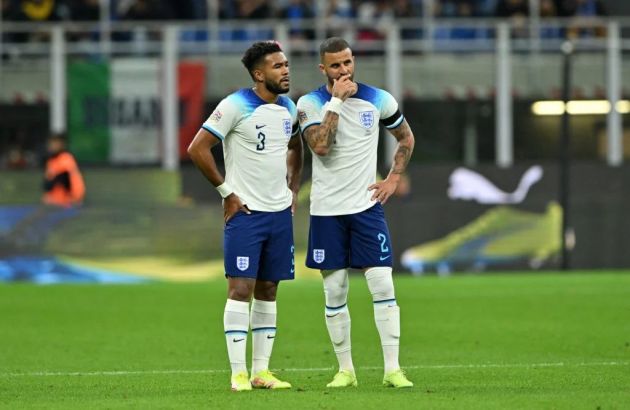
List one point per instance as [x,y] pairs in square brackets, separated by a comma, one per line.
[134,111]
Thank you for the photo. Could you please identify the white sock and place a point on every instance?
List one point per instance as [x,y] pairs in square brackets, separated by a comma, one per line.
[387,318]
[338,316]
[338,324]
[263,323]
[236,324]
[386,314]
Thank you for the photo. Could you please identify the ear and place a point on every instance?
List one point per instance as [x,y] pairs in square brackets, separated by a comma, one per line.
[259,76]
[322,69]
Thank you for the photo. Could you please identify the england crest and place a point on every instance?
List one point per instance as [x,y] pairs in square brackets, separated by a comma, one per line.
[242,262]
[366,118]
[286,126]
[216,117]
[319,255]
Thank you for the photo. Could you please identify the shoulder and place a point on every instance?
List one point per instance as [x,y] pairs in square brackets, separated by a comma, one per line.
[287,103]
[244,101]
[373,95]
[317,97]
[66,159]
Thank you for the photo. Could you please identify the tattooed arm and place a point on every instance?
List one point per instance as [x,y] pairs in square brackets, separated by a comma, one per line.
[384,189]
[320,137]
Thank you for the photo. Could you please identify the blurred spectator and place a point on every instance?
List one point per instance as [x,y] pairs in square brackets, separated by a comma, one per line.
[445,8]
[464,9]
[83,10]
[37,10]
[549,10]
[338,14]
[486,8]
[583,10]
[373,20]
[63,182]
[185,9]
[406,9]
[31,11]
[144,10]
[253,9]
[295,13]
[512,8]
[518,11]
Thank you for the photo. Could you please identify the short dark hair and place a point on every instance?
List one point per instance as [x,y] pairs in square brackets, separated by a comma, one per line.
[59,136]
[333,45]
[254,54]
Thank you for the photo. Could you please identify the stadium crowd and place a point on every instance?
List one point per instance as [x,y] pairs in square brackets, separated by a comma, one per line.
[371,17]
[89,10]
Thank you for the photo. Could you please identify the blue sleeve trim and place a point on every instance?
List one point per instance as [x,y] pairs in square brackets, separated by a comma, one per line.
[213,132]
[397,123]
[295,130]
[308,125]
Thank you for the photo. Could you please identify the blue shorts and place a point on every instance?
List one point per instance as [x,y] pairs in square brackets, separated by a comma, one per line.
[259,246]
[357,241]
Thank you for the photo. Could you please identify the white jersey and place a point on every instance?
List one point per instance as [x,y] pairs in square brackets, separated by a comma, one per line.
[341,178]
[255,135]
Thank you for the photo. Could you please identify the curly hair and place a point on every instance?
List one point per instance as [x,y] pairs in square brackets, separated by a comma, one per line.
[257,52]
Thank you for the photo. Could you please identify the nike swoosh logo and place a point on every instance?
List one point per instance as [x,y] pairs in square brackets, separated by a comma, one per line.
[386,257]
[238,340]
[260,126]
[270,337]
[327,315]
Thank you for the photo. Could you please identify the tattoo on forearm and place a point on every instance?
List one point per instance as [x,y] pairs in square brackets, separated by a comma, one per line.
[405,147]
[326,132]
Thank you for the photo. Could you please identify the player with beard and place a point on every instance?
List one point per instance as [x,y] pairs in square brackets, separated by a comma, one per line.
[263,163]
[340,122]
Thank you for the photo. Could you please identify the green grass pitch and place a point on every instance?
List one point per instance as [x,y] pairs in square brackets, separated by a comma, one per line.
[549,341]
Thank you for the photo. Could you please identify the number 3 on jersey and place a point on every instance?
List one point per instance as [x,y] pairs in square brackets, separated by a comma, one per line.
[261,144]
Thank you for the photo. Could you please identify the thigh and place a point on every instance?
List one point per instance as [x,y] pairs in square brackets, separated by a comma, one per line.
[328,243]
[243,240]
[277,260]
[370,243]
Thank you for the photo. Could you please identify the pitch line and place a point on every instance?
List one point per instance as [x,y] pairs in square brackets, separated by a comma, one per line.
[316,369]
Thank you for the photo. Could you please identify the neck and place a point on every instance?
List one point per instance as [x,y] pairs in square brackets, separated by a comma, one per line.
[265,94]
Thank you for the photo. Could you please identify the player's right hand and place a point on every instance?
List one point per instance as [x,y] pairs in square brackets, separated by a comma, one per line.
[344,87]
[231,205]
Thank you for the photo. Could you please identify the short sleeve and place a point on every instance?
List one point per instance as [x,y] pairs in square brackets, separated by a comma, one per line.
[295,126]
[391,117]
[309,112]
[223,119]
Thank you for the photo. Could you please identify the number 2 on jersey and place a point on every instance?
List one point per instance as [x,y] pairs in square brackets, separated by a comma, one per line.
[261,144]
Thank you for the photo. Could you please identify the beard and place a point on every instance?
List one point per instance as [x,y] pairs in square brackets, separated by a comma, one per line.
[276,88]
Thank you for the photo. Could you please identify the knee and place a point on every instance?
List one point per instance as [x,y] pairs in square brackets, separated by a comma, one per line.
[266,291]
[336,287]
[240,290]
[380,283]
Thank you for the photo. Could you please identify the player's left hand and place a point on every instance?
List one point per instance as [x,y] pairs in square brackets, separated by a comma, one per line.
[384,189]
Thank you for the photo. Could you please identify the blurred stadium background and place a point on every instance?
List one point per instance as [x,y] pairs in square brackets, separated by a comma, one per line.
[480,82]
